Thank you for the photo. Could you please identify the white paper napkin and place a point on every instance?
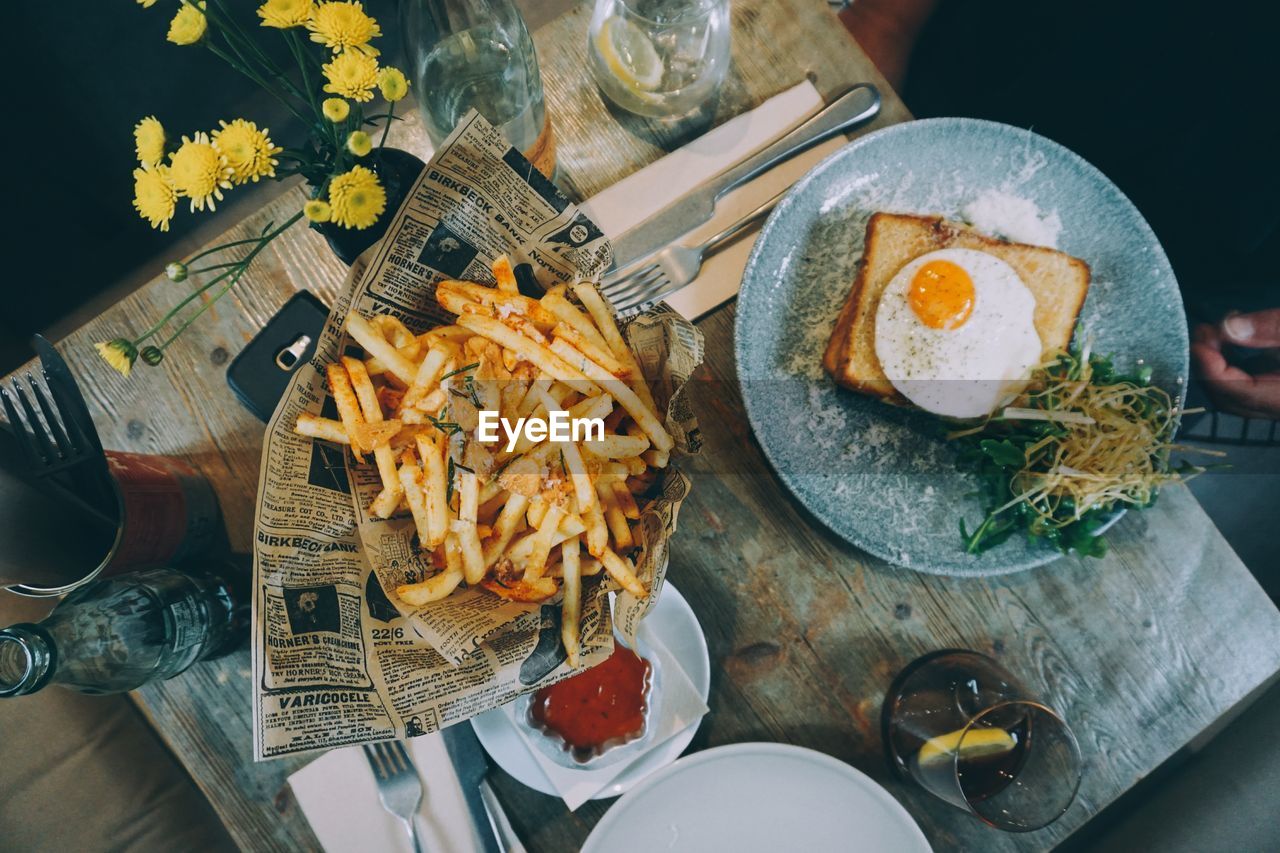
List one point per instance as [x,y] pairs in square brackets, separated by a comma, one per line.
[642,194]
[339,796]
[680,707]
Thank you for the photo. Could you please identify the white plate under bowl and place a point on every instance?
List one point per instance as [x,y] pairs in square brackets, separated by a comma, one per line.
[672,621]
[765,797]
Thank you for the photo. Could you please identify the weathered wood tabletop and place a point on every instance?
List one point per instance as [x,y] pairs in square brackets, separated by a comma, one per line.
[1141,651]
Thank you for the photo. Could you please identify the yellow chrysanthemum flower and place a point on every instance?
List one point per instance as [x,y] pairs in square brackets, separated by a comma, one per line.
[357,198]
[200,171]
[359,143]
[317,210]
[352,75]
[154,195]
[344,26]
[283,14]
[146,4]
[188,26]
[392,83]
[148,140]
[335,109]
[249,151]
[120,353]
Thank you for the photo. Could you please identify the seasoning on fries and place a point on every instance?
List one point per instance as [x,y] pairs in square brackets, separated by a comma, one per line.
[531,514]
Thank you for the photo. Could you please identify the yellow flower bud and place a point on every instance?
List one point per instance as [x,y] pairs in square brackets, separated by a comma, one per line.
[148,141]
[120,353]
[317,210]
[188,25]
[335,109]
[392,84]
[359,143]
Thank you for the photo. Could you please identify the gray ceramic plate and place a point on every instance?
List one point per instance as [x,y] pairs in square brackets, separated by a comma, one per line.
[878,476]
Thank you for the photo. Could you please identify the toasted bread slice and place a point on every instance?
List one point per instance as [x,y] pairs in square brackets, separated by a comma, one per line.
[1058,281]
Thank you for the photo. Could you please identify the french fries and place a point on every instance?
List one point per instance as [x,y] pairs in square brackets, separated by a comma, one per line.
[516,516]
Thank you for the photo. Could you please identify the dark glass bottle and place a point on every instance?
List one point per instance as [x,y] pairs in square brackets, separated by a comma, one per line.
[118,634]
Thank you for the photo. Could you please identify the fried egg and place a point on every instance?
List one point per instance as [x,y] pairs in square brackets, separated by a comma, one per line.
[955,333]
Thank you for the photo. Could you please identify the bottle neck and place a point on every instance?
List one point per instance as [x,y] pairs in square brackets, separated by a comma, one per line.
[28,659]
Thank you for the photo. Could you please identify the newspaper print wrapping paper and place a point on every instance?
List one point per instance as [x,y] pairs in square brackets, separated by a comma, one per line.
[337,659]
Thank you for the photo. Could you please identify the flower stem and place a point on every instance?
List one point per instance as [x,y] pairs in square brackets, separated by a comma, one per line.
[213,267]
[191,260]
[233,278]
[257,78]
[386,128]
[234,270]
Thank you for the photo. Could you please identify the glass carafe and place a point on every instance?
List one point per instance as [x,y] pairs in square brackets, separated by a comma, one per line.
[466,54]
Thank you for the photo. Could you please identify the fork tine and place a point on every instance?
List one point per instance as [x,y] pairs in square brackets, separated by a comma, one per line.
[80,442]
[11,413]
[639,295]
[632,281]
[66,448]
[638,285]
[397,761]
[401,753]
[608,286]
[393,766]
[375,761]
[47,451]
[29,451]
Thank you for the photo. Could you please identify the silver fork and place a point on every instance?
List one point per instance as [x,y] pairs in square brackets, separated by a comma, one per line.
[47,444]
[632,290]
[399,787]
[52,443]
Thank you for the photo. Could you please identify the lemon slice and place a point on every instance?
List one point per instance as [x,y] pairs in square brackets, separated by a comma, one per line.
[976,744]
[630,55]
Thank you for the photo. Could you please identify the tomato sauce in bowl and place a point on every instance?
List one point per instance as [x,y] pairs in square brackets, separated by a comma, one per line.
[603,707]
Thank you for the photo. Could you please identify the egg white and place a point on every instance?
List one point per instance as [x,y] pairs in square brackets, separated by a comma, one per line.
[968,371]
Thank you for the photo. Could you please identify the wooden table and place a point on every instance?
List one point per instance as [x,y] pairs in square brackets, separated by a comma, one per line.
[1142,651]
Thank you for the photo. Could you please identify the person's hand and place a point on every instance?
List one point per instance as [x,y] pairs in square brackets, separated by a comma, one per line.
[1253,392]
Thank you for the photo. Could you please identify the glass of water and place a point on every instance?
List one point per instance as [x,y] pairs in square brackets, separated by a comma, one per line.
[467,54]
[659,58]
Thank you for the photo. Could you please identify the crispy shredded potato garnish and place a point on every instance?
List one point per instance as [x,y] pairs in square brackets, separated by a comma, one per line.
[1079,442]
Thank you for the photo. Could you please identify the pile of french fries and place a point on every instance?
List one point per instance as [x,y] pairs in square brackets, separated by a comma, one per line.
[513,522]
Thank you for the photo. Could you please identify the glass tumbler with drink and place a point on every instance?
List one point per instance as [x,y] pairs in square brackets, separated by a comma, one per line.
[659,58]
[960,726]
[467,54]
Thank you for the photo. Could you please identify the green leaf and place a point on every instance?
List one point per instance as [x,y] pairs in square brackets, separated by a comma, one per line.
[1083,537]
[1003,453]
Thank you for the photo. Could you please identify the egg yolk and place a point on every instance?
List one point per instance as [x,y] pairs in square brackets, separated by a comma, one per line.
[941,295]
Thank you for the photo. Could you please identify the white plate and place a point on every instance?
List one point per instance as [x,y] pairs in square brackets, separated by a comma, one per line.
[673,622]
[749,797]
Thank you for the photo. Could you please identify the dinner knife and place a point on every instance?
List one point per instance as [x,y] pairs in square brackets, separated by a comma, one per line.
[471,764]
[850,110]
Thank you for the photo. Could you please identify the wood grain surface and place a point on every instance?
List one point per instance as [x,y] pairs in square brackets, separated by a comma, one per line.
[1141,651]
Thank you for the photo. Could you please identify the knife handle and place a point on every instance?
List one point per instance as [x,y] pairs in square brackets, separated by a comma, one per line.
[508,841]
[855,107]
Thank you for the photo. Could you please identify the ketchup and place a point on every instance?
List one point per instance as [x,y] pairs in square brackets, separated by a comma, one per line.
[606,703]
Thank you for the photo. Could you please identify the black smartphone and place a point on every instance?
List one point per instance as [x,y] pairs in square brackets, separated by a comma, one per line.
[260,374]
